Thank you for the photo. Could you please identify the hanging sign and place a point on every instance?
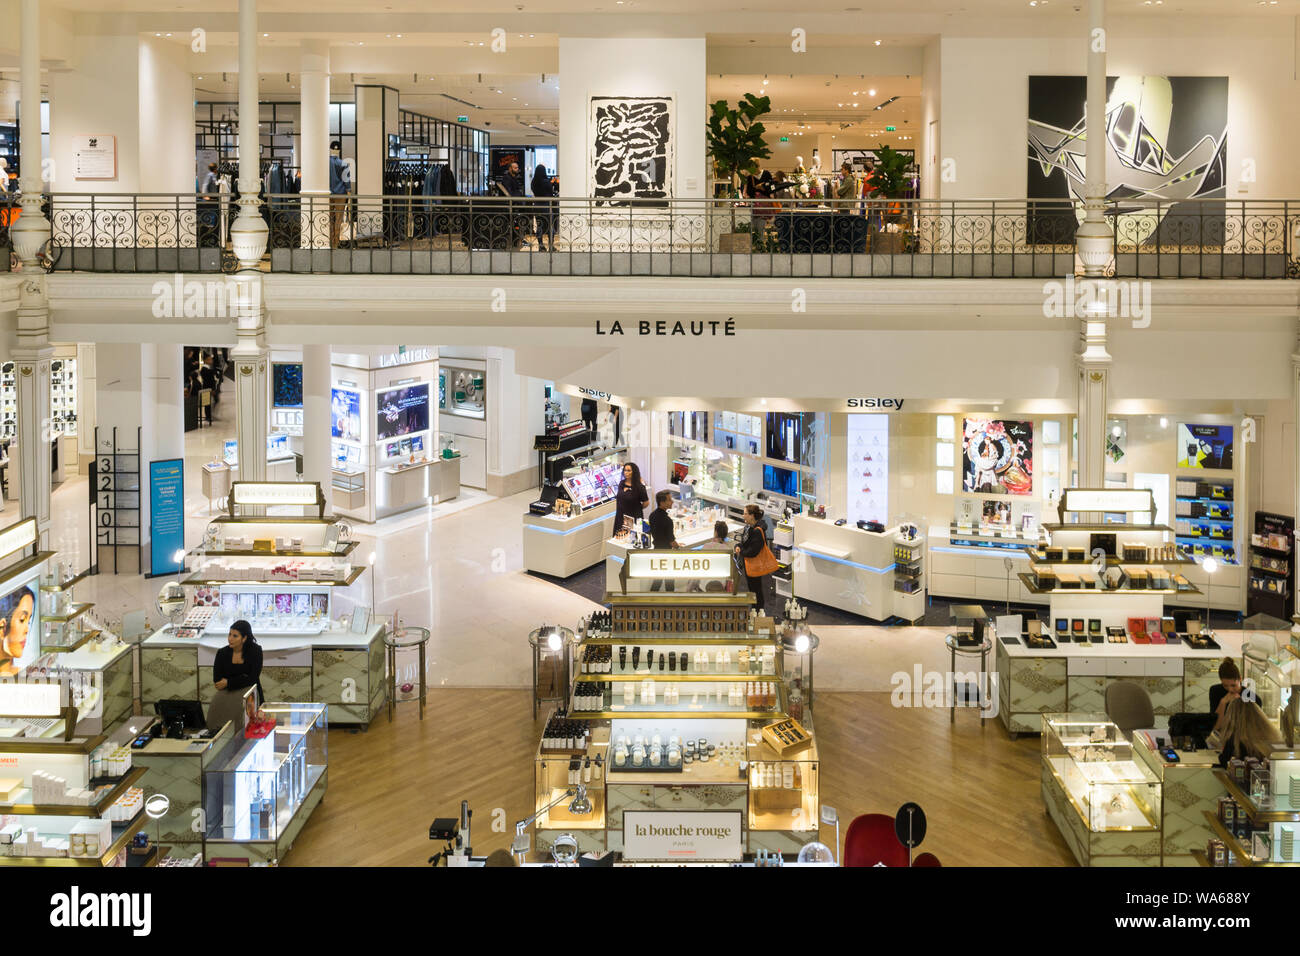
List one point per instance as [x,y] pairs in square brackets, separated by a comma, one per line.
[679,564]
[95,157]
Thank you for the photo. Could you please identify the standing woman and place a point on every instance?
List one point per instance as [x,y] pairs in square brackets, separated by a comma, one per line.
[237,667]
[631,498]
[543,189]
[758,557]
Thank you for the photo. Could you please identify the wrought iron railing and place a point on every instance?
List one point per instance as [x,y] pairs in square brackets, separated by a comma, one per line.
[453,235]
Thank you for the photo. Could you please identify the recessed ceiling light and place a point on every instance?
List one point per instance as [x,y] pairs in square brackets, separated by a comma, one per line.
[877,43]
[266,34]
[871,92]
[855,104]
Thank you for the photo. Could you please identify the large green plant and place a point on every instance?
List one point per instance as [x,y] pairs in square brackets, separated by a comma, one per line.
[890,177]
[735,137]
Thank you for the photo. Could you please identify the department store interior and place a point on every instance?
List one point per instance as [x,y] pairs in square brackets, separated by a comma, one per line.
[732,444]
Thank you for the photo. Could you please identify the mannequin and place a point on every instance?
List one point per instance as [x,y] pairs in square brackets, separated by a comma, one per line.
[816,163]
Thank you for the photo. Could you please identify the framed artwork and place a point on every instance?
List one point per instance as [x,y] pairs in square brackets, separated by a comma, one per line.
[631,148]
[997,456]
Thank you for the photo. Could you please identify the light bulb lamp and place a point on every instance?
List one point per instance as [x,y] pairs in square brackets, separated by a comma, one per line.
[803,642]
[1209,566]
[578,806]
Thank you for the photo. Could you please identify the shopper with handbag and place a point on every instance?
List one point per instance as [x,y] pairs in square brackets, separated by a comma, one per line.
[758,557]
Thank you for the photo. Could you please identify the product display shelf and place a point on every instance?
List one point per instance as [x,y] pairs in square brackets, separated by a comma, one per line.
[1205,512]
[201,581]
[1282,810]
[123,834]
[119,786]
[343,550]
[909,577]
[1032,586]
[1271,573]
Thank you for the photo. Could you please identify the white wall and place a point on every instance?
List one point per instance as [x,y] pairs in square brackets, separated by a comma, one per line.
[100,95]
[634,67]
[984,95]
[166,119]
[930,142]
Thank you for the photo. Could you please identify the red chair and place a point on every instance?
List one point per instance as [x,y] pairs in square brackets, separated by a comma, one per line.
[871,841]
[927,859]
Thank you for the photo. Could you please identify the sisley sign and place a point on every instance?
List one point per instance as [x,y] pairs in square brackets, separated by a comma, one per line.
[682,835]
[683,564]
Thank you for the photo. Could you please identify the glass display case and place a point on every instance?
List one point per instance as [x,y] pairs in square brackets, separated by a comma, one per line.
[63,398]
[446,445]
[255,794]
[462,391]
[1093,763]
[64,622]
[784,790]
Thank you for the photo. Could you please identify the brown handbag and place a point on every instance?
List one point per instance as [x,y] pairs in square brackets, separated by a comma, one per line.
[762,563]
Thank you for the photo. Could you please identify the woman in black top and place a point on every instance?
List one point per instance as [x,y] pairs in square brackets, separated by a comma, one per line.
[239,663]
[631,498]
[752,541]
[545,214]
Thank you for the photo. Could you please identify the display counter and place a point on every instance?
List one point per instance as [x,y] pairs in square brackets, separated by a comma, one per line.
[258,797]
[334,667]
[845,567]
[1192,788]
[691,539]
[562,545]
[1033,681]
[970,563]
[407,486]
[1104,799]
[176,767]
[716,750]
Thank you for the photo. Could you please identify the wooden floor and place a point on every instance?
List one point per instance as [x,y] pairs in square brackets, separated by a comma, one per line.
[978,787]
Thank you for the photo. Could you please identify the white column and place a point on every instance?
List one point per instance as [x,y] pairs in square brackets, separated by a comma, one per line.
[248,236]
[317,460]
[1094,377]
[1093,237]
[314,149]
[32,352]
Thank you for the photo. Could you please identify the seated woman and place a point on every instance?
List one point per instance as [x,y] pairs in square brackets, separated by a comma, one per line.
[1246,732]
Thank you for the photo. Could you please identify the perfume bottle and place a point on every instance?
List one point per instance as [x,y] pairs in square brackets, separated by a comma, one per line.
[255,811]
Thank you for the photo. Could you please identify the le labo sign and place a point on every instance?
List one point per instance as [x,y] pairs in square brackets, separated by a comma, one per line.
[682,835]
[683,564]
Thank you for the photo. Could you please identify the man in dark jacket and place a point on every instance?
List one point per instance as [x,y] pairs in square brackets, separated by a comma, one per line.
[663,534]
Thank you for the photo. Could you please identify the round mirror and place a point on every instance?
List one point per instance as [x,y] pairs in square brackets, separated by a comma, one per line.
[172,601]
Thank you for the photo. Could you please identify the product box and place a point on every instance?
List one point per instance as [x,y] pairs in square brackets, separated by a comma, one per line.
[10,788]
[95,837]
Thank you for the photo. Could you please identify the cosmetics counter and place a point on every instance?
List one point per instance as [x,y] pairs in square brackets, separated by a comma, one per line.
[564,532]
[1105,800]
[67,800]
[49,637]
[685,733]
[281,574]
[388,454]
[877,574]
[1057,673]
[970,561]
[693,528]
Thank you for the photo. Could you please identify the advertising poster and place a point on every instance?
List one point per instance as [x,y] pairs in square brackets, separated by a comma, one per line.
[345,414]
[402,411]
[166,515]
[1205,446]
[997,456]
[19,631]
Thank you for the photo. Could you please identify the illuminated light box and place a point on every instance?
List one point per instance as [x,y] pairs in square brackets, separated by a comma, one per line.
[17,536]
[274,493]
[689,564]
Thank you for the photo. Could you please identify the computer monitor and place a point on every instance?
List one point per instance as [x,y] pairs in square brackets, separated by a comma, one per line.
[189,713]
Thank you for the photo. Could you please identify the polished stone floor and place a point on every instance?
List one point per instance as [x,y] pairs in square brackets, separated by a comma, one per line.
[458,569]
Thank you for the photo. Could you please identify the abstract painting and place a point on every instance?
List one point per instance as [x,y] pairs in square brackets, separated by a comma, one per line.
[1166,142]
[631,148]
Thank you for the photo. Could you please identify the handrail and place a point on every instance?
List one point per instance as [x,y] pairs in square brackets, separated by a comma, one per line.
[699,236]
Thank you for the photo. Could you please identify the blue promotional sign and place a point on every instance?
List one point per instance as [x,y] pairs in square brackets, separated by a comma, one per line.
[166,514]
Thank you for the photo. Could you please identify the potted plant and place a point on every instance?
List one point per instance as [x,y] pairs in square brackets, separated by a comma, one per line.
[891,180]
[734,139]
